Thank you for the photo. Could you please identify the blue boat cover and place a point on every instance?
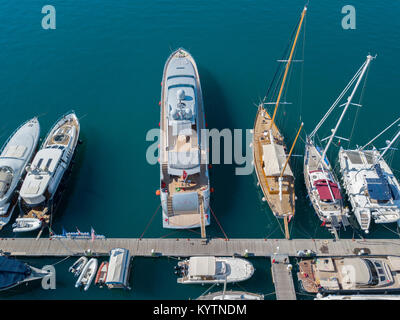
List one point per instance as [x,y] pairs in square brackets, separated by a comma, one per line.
[378,189]
[12,271]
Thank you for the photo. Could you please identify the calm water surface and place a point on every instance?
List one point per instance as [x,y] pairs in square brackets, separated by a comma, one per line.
[105,61]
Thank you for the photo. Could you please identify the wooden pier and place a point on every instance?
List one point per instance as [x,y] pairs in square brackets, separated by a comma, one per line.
[182,247]
[282,278]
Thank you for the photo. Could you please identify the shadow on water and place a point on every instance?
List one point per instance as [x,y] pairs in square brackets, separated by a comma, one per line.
[222,176]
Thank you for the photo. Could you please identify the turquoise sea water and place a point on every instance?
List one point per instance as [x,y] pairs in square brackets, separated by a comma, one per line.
[105,61]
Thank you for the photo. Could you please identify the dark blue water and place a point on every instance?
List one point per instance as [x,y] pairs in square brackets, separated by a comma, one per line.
[105,61]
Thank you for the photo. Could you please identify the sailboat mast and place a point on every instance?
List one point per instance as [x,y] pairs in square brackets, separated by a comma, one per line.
[389,145]
[363,147]
[369,58]
[287,66]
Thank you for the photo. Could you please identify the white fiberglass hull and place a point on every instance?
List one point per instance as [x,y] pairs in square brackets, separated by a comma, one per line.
[14,156]
[87,275]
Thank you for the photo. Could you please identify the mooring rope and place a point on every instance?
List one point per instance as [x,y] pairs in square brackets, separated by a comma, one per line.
[61,261]
[149,223]
[216,219]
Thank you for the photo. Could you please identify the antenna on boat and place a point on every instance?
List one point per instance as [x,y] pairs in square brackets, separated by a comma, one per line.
[364,68]
[288,65]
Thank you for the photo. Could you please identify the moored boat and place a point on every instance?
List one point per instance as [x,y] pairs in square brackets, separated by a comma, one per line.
[13,273]
[119,269]
[39,195]
[231,295]
[101,274]
[213,270]
[350,275]
[87,275]
[322,186]
[271,161]
[184,179]
[14,156]
[78,266]
[371,186]
[358,297]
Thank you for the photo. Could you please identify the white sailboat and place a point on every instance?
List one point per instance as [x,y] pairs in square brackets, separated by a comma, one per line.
[373,190]
[14,156]
[322,186]
[38,191]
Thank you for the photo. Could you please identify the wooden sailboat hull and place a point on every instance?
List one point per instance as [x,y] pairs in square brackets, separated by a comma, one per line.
[269,184]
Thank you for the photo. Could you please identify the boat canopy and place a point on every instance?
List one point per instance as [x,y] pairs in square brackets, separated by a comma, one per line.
[324,192]
[118,267]
[187,202]
[274,157]
[12,271]
[202,266]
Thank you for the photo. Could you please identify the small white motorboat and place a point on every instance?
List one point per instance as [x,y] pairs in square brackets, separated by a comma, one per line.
[78,266]
[87,275]
[26,224]
[213,270]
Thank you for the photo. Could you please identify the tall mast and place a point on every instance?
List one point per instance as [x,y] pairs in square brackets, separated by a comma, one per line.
[287,66]
[363,147]
[369,58]
[389,145]
[337,101]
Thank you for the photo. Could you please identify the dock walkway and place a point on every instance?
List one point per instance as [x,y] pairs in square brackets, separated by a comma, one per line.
[282,278]
[45,247]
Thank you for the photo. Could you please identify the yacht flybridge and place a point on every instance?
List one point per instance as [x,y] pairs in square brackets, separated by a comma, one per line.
[271,161]
[185,191]
[322,186]
[38,196]
[14,156]
[373,190]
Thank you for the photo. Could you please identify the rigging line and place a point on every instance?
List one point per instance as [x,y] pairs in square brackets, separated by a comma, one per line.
[396,233]
[61,261]
[302,68]
[337,100]
[208,289]
[168,234]
[358,108]
[284,56]
[277,220]
[216,219]
[151,220]
[267,236]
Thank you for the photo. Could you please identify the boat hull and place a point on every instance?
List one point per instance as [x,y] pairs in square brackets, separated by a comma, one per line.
[15,155]
[269,184]
[324,211]
[170,185]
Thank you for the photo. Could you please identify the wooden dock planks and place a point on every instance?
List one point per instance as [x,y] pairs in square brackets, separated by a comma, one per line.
[195,247]
[283,280]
